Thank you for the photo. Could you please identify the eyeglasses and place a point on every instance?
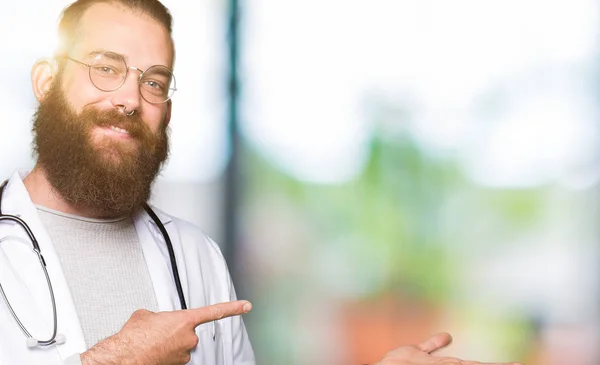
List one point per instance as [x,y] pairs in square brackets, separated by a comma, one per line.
[108,72]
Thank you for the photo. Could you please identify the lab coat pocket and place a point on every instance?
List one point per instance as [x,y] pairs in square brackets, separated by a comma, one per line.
[210,345]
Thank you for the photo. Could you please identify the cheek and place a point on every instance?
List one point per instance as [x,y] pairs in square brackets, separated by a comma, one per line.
[80,94]
[155,119]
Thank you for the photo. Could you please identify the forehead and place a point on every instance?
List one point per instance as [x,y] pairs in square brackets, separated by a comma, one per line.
[143,41]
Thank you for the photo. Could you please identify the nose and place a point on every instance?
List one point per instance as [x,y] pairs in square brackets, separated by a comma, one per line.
[128,96]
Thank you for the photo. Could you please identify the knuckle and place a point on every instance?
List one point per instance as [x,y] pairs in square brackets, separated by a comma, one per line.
[218,312]
[188,317]
[195,341]
[140,313]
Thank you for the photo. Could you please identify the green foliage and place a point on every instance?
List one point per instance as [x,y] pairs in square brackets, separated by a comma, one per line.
[397,232]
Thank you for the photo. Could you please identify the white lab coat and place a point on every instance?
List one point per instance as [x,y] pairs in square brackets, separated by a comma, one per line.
[204,277]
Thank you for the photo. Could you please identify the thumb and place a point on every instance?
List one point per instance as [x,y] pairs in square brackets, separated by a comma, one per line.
[218,311]
[435,343]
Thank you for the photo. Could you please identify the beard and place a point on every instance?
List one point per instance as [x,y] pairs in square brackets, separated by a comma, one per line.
[109,176]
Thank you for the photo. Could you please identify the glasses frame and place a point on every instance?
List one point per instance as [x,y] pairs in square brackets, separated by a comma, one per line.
[127,68]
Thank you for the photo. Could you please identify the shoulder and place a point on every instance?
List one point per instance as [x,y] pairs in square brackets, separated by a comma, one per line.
[189,235]
[200,258]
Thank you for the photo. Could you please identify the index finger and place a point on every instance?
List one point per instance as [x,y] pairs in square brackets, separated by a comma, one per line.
[218,311]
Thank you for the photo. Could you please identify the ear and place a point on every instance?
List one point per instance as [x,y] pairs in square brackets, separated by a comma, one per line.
[43,73]
[168,116]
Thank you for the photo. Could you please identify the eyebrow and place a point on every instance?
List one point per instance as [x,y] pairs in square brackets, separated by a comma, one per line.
[163,72]
[118,57]
[113,55]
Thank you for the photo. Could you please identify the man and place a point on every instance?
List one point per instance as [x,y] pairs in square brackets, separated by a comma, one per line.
[119,275]
[101,137]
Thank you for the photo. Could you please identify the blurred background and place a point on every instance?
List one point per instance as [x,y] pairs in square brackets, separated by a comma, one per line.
[379,171]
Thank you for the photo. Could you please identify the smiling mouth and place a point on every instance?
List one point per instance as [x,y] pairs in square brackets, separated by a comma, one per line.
[119,130]
[112,131]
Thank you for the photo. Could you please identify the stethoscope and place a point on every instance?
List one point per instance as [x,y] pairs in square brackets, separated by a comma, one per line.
[59,338]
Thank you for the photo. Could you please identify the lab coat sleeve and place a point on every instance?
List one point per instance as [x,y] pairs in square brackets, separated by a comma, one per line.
[242,349]
[241,346]
[73,360]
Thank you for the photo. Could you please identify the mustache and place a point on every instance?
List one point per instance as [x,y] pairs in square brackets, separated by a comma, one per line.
[134,124]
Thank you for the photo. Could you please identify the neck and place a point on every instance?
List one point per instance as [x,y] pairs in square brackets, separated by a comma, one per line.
[42,193]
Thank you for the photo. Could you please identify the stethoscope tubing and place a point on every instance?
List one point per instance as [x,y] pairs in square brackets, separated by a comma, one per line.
[55,317]
[37,250]
[165,235]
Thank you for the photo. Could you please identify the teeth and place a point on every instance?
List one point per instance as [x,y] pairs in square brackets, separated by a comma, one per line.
[117,129]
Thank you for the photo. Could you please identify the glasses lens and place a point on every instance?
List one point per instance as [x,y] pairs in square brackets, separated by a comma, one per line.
[108,71]
[157,84]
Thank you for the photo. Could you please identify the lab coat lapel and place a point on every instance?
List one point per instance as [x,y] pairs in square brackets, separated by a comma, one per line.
[16,201]
[157,258]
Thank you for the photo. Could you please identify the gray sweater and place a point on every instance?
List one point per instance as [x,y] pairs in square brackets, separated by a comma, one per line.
[105,269]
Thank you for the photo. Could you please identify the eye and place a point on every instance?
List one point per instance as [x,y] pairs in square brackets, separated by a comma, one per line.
[105,70]
[154,85]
